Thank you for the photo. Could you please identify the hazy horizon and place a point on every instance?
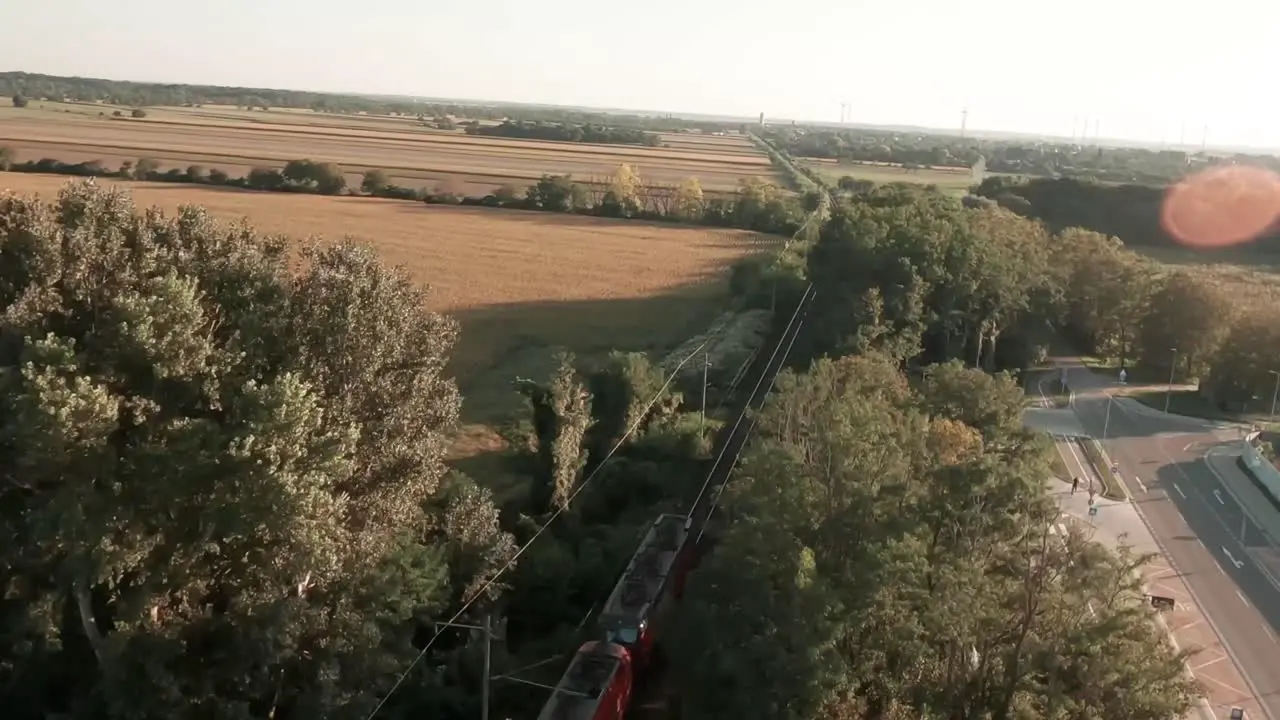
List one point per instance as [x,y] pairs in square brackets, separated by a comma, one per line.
[1142,71]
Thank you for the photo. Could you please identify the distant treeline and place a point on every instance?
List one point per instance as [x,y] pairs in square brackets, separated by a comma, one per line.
[563,132]
[137,94]
[756,205]
[1085,160]
[1129,212]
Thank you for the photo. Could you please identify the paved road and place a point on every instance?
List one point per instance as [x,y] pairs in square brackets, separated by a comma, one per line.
[1196,519]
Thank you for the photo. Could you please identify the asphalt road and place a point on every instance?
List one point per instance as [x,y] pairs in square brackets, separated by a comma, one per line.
[1195,517]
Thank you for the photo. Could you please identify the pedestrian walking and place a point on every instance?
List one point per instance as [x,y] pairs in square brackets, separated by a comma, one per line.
[1075,484]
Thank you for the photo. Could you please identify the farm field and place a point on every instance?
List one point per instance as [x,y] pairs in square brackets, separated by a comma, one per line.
[520,283]
[954,181]
[236,140]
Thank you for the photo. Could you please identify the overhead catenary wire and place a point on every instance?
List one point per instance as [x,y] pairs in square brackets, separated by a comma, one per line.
[715,500]
[804,298]
[555,514]
[792,330]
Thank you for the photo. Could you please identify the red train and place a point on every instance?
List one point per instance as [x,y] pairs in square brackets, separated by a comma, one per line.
[597,685]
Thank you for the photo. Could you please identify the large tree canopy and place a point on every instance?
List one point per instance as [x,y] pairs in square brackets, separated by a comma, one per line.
[865,574]
[220,480]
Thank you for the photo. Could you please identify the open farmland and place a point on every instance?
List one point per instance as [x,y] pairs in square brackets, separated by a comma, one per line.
[414,156]
[520,283]
[955,181]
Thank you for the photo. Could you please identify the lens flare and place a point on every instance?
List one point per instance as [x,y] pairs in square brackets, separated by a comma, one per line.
[1222,206]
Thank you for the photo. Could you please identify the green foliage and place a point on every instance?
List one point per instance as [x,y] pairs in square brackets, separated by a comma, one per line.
[137,113]
[20,101]
[209,466]
[865,575]
[1187,319]
[317,177]
[906,273]
[374,182]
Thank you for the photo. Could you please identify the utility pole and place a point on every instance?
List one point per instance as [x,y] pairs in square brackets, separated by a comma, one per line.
[964,121]
[487,630]
[1107,422]
[1274,393]
[1168,394]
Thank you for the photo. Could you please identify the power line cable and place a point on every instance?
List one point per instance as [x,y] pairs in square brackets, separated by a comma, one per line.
[555,514]
[754,391]
[715,500]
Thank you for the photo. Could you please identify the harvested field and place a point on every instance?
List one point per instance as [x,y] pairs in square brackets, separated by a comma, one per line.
[518,282]
[237,140]
[954,181]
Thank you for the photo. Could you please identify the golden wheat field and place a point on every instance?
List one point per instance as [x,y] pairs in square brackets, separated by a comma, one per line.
[237,140]
[518,282]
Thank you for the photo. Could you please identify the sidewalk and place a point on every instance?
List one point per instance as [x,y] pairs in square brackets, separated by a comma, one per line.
[1118,523]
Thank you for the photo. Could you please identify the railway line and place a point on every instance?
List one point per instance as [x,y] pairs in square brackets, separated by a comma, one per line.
[623,671]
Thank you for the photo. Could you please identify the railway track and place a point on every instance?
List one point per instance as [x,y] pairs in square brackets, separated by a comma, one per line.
[653,697]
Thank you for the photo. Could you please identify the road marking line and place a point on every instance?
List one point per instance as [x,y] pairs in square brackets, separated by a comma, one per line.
[1233,559]
[1175,487]
[1139,481]
[1270,634]
[1188,446]
[1217,495]
[1242,598]
[1203,665]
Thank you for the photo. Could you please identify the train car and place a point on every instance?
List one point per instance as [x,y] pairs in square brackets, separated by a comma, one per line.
[654,577]
[596,686]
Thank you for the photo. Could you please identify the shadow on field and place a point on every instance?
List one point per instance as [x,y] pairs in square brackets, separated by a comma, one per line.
[499,343]
[631,229]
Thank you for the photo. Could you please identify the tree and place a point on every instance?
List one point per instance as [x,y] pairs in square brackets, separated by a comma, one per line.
[374,182]
[625,185]
[318,177]
[1106,289]
[886,579]
[214,473]
[19,100]
[137,113]
[689,200]
[1243,368]
[7,156]
[146,168]
[991,404]
[1189,317]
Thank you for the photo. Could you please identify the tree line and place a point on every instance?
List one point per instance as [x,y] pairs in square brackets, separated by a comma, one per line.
[756,205]
[1035,158]
[567,132]
[1131,212]
[139,94]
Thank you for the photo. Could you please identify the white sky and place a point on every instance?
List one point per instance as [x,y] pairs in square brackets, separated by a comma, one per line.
[1142,68]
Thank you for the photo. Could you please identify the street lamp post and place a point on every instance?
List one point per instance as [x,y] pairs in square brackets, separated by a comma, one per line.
[1168,395]
[1106,423]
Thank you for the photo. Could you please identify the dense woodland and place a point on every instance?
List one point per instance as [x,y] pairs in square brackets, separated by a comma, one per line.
[222,488]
